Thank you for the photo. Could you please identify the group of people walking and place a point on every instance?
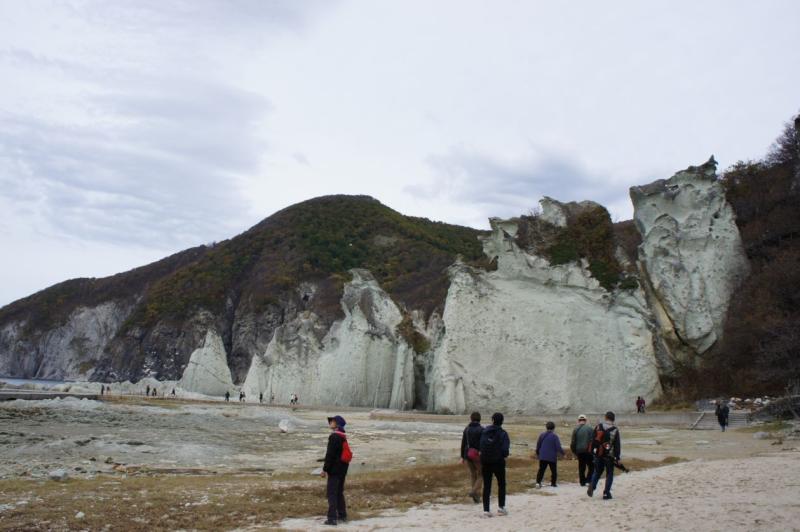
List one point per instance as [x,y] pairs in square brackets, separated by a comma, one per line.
[484,451]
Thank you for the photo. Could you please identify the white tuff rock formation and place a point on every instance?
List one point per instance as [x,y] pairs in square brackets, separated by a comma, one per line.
[70,351]
[530,337]
[207,371]
[691,255]
[360,361]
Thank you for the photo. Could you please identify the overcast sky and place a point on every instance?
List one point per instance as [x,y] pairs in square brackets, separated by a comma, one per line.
[130,130]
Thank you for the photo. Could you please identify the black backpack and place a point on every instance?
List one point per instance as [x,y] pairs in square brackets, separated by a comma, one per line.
[492,445]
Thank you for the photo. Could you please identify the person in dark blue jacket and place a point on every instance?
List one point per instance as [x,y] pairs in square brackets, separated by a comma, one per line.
[494,449]
[548,447]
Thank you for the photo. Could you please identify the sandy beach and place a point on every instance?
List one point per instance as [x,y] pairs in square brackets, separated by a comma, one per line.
[758,493]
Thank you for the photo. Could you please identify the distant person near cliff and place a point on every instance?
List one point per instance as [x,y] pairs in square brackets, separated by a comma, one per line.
[640,403]
[548,447]
[722,413]
[581,447]
[227,396]
[337,461]
[494,449]
[470,454]
[606,447]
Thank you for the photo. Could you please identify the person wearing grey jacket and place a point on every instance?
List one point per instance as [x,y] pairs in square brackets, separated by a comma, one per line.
[580,445]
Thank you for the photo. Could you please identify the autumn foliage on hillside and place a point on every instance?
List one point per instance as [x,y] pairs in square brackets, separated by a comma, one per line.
[760,350]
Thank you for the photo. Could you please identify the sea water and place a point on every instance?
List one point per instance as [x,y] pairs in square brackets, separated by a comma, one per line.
[21,382]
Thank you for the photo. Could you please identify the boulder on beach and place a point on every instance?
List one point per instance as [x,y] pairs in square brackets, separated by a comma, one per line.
[58,475]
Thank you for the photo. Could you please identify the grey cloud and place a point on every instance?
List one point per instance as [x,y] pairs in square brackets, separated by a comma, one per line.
[500,188]
[300,158]
[161,172]
[155,152]
[203,17]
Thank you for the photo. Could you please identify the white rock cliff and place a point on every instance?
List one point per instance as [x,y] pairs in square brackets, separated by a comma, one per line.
[360,361]
[529,337]
[69,351]
[207,371]
[691,255]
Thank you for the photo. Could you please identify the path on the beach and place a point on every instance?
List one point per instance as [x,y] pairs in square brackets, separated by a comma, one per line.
[759,493]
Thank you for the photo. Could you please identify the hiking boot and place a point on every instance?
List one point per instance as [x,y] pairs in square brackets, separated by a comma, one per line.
[502,511]
[607,496]
[488,514]
[553,485]
[590,490]
[329,522]
[538,485]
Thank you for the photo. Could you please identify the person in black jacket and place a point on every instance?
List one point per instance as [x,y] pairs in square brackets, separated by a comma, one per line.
[336,471]
[722,414]
[470,448]
[607,449]
[494,448]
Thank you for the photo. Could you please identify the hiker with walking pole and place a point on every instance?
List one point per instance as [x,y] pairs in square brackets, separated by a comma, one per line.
[606,448]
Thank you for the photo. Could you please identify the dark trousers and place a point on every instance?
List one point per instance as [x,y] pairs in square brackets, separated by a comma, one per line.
[585,461]
[553,472]
[337,509]
[498,469]
[600,465]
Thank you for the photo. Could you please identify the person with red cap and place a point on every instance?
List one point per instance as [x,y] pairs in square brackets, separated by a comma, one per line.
[337,462]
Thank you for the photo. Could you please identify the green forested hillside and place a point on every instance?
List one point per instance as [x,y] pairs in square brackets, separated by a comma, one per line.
[318,240]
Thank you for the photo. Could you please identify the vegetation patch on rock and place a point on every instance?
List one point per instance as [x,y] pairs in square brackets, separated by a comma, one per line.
[589,234]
